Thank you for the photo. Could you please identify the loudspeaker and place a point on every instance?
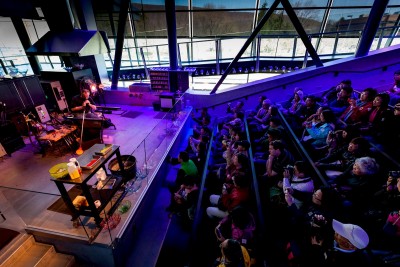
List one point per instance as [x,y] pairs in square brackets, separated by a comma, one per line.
[10,139]
[55,95]
[167,100]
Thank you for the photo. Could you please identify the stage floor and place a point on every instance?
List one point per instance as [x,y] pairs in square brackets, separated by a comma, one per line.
[28,171]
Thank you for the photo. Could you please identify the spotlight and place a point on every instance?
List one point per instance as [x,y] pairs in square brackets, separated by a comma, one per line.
[93,88]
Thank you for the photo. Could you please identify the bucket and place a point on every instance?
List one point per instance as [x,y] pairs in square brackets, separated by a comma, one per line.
[129,166]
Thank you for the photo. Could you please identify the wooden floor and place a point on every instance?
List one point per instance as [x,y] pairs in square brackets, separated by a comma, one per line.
[28,171]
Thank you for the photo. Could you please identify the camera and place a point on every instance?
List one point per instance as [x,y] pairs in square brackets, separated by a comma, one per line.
[394,174]
[290,168]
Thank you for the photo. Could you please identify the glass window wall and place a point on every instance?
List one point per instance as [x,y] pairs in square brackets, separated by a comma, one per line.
[222,23]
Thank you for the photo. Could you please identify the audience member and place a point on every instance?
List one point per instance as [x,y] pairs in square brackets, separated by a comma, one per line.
[253,113]
[305,112]
[360,185]
[340,104]
[261,118]
[359,109]
[231,196]
[317,133]
[237,108]
[296,105]
[342,160]
[279,157]
[379,118]
[203,115]
[391,138]
[332,93]
[239,225]
[184,200]
[187,168]
[233,255]
[350,240]
[298,182]
[394,91]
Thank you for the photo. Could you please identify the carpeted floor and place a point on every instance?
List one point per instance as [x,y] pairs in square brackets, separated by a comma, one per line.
[131,114]
[6,236]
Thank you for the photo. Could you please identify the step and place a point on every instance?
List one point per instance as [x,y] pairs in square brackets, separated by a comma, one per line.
[28,254]
[54,259]
[8,250]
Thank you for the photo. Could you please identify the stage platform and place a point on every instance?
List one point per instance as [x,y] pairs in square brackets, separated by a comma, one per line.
[26,191]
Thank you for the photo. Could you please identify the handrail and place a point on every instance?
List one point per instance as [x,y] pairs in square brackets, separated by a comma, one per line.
[255,183]
[29,191]
[301,149]
[199,212]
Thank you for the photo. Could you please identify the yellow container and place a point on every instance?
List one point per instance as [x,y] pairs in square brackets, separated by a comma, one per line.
[73,170]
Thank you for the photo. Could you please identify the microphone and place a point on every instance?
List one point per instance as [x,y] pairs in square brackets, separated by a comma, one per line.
[87,108]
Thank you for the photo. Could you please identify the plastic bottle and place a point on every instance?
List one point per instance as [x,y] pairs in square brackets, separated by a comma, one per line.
[75,161]
[73,170]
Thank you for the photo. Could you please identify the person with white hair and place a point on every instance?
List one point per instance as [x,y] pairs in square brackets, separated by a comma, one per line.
[360,187]
[348,248]
[296,104]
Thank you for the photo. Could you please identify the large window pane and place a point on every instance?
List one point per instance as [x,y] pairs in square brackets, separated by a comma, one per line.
[326,44]
[347,20]
[223,4]
[301,48]
[149,5]
[151,24]
[347,45]
[285,47]
[204,50]
[182,24]
[353,3]
[280,23]
[222,23]
[231,47]
[268,47]
[308,3]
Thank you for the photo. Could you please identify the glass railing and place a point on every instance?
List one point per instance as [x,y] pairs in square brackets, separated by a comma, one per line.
[26,209]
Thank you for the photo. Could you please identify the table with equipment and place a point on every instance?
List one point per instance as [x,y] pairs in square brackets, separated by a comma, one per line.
[62,133]
[91,161]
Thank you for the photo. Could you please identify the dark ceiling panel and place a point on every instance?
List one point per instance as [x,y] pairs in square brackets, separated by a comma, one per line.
[18,8]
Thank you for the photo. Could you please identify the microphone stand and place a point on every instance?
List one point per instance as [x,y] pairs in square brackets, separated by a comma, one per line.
[79,151]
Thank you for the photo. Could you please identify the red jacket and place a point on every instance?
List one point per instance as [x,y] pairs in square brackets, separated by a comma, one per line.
[237,196]
[360,113]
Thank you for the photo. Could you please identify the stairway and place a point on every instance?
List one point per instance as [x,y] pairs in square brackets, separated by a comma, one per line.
[25,251]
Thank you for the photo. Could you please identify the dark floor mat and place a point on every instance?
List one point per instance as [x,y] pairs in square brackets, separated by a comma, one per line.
[59,204]
[6,236]
[161,115]
[131,114]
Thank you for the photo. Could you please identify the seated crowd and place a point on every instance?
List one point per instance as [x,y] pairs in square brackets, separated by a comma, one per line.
[318,221]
